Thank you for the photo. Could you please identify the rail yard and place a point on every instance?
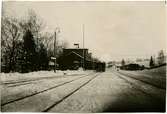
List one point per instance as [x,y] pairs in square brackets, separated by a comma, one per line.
[110,91]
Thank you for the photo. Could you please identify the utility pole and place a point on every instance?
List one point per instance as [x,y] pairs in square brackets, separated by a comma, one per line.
[55,52]
[55,48]
[83,47]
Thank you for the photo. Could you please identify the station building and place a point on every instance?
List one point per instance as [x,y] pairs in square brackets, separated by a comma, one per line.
[74,58]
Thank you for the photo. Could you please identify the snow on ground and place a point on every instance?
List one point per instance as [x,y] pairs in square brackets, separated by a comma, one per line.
[43,100]
[160,71]
[156,76]
[22,76]
[107,93]
[10,93]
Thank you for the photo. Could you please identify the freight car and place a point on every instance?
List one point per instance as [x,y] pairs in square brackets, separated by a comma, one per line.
[100,67]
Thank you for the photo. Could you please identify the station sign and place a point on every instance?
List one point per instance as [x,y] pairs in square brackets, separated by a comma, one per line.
[53,58]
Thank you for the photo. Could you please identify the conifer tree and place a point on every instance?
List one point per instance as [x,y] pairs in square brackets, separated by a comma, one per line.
[29,52]
[123,62]
[43,58]
[151,62]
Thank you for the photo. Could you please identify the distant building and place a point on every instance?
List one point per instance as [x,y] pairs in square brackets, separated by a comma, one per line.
[139,60]
[145,62]
[110,63]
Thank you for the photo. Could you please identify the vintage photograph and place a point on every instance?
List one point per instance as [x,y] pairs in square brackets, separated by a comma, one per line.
[83,56]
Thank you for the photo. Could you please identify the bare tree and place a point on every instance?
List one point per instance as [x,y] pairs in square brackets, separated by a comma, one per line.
[48,41]
[34,24]
[13,32]
[10,36]
[65,44]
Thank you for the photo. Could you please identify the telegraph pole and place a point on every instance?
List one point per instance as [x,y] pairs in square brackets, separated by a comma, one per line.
[83,46]
[55,47]
[55,52]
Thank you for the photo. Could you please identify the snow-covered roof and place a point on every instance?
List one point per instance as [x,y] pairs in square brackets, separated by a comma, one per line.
[77,55]
[74,53]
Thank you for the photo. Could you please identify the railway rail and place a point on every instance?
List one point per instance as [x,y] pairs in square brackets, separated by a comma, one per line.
[140,88]
[40,78]
[28,81]
[68,95]
[144,81]
[53,87]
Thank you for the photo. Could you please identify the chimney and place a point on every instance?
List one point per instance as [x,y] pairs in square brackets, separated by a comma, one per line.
[77,45]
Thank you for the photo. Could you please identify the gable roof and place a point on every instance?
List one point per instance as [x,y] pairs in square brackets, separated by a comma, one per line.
[75,54]
[72,52]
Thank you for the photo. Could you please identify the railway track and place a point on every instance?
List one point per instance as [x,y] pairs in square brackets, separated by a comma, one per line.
[45,90]
[138,87]
[144,81]
[20,84]
[68,95]
[25,82]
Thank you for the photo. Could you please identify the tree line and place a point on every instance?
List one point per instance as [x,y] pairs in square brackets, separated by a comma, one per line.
[160,60]
[24,46]
[153,61]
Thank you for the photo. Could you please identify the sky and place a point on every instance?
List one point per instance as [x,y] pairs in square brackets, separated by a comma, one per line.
[112,30]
